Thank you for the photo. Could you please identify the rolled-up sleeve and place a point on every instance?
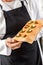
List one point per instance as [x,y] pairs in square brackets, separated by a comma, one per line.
[40,34]
[4,50]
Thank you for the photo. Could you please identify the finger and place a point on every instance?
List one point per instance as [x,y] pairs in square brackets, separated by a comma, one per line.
[19,42]
[10,40]
[16,47]
[14,44]
[15,41]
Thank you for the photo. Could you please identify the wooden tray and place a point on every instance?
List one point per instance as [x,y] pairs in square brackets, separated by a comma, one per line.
[29,32]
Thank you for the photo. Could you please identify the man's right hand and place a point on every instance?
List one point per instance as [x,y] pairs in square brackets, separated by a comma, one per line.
[11,43]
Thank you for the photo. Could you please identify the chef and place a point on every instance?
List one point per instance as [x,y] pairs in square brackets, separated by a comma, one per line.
[14,14]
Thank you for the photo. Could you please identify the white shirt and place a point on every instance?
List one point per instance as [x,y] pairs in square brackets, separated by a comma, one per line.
[34,11]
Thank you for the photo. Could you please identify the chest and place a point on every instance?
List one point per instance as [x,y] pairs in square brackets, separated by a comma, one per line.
[16,19]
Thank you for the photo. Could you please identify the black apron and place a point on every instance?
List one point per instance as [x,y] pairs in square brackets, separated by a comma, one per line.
[26,55]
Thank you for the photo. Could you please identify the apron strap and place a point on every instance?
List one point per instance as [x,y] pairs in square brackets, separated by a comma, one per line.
[22,3]
[0,6]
